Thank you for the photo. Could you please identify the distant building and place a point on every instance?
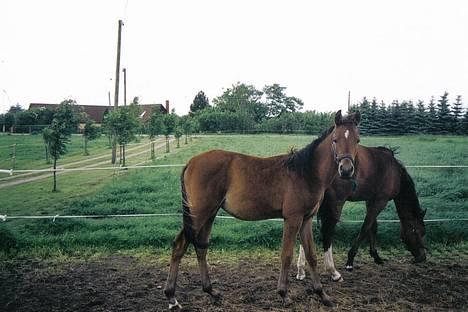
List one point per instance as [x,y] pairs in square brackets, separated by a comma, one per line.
[97,112]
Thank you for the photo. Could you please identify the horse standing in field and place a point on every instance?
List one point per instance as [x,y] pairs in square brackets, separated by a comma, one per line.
[250,188]
[379,178]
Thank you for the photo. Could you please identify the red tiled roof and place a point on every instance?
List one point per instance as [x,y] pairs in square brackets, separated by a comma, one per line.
[97,112]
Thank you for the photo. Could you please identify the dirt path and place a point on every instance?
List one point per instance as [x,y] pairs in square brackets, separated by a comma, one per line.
[123,283]
[94,165]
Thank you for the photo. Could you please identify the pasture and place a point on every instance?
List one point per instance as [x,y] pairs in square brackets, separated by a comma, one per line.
[54,249]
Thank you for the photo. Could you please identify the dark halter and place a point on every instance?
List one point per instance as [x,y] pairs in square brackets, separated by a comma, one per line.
[340,158]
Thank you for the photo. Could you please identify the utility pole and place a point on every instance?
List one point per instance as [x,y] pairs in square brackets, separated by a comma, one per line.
[116,94]
[125,86]
[108,93]
[349,101]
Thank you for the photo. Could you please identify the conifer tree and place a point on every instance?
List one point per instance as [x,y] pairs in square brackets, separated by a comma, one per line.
[457,114]
[444,120]
[420,117]
[431,117]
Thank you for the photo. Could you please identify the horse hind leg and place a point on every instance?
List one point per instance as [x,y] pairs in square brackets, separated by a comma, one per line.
[179,247]
[203,238]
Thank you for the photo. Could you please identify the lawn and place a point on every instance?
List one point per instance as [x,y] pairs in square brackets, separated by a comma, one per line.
[443,192]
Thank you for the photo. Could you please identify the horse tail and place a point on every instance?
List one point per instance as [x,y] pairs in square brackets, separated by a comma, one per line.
[407,195]
[188,231]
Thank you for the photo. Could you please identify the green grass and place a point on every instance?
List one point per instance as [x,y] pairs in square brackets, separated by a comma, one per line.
[443,191]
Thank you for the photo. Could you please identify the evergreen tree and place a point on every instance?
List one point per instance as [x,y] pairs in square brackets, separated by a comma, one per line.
[444,120]
[420,118]
[385,121]
[374,120]
[431,117]
[364,108]
[464,123]
[200,102]
[457,114]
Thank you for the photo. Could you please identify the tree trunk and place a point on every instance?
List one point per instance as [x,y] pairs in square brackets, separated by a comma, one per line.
[55,175]
[114,147]
[167,144]
[152,151]
[178,144]
[186,138]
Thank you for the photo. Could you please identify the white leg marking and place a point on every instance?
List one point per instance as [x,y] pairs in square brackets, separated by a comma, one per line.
[330,266]
[301,264]
[175,305]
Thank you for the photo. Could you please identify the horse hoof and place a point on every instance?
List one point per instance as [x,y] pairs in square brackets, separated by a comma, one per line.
[300,276]
[349,267]
[173,304]
[337,279]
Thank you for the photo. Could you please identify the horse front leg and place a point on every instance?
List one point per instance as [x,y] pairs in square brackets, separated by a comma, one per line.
[307,241]
[372,242]
[329,221]
[290,229]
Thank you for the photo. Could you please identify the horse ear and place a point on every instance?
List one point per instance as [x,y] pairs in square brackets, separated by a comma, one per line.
[338,117]
[357,117]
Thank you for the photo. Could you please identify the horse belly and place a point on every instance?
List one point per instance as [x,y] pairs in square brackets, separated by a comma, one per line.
[251,209]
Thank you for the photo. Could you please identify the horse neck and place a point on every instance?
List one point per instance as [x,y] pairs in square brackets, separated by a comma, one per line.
[324,167]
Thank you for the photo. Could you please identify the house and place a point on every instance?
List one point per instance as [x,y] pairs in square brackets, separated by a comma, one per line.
[97,112]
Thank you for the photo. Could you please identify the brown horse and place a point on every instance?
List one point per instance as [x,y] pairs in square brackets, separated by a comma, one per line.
[379,178]
[251,188]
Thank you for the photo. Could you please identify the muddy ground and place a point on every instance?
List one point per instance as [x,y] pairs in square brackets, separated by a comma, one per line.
[128,283]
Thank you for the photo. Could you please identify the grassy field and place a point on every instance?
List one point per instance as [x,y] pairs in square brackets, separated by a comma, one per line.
[443,192]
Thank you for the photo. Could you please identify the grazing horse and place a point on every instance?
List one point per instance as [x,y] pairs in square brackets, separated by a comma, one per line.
[289,186]
[379,178]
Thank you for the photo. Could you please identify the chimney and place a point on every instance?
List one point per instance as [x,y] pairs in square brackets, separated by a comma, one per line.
[167,107]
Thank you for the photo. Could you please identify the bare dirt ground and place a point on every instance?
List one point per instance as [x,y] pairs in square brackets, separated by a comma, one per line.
[127,283]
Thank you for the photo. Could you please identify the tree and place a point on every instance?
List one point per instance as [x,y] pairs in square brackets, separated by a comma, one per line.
[200,102]
[57,135]
[122,123]
[178,132]
[420,117]
[277,102]
[155,128]
[457,113]
[90,132]
[431,117]
[47,137]
[242,98]
[444,120]
[187,126]
[169,123]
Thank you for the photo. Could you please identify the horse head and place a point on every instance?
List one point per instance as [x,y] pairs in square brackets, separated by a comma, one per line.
[345,139]
[412,234]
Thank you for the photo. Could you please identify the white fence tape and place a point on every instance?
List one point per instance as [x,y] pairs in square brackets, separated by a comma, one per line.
[11,171]
[146,215]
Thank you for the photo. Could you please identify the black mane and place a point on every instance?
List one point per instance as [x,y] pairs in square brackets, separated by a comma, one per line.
[300,161]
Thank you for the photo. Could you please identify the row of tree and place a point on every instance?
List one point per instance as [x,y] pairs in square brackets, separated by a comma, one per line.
[400,118]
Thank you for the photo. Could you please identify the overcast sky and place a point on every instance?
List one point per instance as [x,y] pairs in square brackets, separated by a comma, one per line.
[51,50]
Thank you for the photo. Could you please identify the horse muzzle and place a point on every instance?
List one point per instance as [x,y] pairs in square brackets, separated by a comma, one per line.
[345,167]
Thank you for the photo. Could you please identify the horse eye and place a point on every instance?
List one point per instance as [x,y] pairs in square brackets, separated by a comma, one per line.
[334,140]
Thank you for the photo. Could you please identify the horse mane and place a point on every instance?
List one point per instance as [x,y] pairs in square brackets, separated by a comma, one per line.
[300,161]
[393,150]
[407,195]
